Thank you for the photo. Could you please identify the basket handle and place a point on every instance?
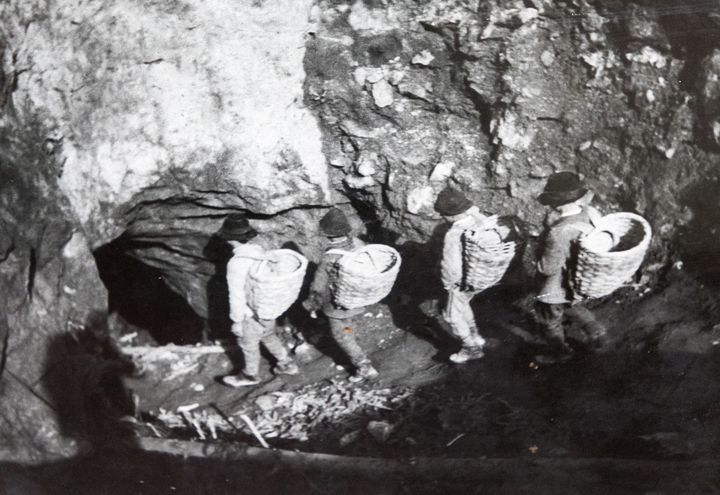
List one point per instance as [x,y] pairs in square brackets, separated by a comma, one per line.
[371,259]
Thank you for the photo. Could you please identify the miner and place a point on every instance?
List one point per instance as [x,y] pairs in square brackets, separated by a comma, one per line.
[460,212]
[570,217]
[336,229]
[249,330]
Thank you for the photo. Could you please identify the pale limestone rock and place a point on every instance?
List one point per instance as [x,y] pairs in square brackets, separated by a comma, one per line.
[420,199]
[362,18]
[207,97]
[442,171]
[423,58]
[382,93]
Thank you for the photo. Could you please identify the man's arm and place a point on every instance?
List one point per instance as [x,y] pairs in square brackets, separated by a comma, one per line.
[554,254]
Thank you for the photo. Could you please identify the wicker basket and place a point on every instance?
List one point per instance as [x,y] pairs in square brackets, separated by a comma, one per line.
[488,249]
[610,254]
[275,282]
[365,276]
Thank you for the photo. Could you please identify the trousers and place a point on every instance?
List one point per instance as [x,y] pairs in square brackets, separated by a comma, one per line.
[550,318]
[460,317]
[344,336]
[250,333]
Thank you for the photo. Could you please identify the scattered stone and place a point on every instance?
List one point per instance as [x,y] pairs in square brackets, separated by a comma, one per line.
[360,74]
[382,93]
[528,14]
[423,58]
[340,161]
[266,402]
[380,430]
[362,18]
[419,199]
[374,74]
[359,182]
[650,96]
[413,90]
[396,76]
[367,165]
[197,387]
[442,171]
[648,56]
[511,132]
[547,58]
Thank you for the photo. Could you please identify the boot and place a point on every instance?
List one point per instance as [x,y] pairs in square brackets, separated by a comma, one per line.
[466,354]
[287,368]
[365,371]
[240,380]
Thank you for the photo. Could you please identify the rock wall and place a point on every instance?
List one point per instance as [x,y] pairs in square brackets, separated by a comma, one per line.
[416,95]
[49,288]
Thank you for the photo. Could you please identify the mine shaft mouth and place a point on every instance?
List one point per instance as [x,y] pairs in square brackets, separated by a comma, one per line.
[138,294]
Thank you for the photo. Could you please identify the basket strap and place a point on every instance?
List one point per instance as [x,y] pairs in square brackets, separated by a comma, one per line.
[341,252]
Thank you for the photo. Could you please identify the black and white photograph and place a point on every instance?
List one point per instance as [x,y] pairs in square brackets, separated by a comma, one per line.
[363,247]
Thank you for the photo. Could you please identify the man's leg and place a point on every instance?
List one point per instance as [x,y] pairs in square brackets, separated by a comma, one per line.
[344,336]
[461,319]
[595,331]
[248,335]
[275,346]
[549,318]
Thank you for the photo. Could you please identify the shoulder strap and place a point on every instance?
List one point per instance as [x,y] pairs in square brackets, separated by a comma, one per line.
[341,252]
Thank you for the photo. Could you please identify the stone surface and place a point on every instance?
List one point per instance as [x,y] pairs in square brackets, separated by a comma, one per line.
[49,288]
[154,100]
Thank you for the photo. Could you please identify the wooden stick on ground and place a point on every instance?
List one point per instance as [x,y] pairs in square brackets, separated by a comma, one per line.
[255,431]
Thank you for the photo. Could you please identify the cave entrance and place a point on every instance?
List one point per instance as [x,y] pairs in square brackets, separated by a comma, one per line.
[138,294]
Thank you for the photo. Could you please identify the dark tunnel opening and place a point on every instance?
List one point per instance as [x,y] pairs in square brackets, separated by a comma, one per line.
[139,295]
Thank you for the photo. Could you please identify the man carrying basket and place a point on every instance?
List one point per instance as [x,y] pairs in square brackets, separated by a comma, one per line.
[570,218]
[249,329]
[335,226]
[460,212]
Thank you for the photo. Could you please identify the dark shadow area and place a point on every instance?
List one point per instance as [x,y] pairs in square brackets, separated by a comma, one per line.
[83,384]
[139,295]
[418,287]
[698,242]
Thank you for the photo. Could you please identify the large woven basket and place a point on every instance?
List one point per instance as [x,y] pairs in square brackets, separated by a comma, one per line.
[365,276]
[488,250]
[274,282]
[610,254]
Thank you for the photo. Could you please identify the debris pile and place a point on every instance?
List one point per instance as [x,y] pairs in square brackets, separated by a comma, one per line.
[290,415]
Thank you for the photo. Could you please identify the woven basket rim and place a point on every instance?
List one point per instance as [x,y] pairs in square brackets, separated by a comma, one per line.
[640,246]
[268,254]
[345,259]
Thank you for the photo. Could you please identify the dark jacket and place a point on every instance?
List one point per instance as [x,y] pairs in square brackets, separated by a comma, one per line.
[320,297]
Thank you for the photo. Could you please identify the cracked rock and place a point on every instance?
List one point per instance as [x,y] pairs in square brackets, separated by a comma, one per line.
[382,93]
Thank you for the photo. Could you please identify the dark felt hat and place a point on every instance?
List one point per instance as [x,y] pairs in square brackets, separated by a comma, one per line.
[451,202]
[335,223]
[562,188]
[237,228]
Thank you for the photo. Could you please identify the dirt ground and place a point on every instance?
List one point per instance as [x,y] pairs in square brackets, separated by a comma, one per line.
[649,395]
[651,392]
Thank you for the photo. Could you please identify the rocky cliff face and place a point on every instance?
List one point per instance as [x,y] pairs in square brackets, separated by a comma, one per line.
[148,122]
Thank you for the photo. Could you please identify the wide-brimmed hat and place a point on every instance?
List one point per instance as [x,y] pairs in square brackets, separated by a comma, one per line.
[451,202]
[562,188]
[237,228]
[335,223]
